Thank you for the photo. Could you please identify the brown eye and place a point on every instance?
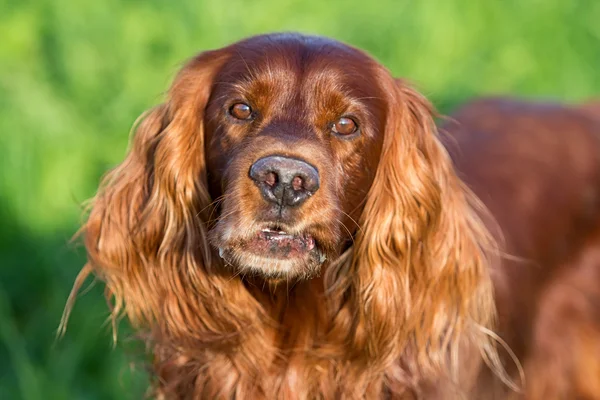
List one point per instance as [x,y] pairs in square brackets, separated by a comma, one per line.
[241,111]
[344,126]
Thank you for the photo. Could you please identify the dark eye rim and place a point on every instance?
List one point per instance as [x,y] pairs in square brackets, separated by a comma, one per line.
[232,104]
[348,135]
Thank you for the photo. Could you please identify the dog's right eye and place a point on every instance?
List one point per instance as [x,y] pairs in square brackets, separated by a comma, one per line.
[241,111]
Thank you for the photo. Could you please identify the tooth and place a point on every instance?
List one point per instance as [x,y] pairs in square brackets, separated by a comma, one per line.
[282,233]
[221,253]
[322,258]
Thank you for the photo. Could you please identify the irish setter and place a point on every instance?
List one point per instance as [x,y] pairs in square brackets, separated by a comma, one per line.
[289,224]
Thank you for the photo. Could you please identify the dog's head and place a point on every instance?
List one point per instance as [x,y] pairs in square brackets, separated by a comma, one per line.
[293,128]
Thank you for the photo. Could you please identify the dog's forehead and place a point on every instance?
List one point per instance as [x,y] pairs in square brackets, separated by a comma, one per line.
[281,67]
[296,46]
[291,57]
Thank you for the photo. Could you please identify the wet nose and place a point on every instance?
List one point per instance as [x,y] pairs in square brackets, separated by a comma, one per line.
[285,181]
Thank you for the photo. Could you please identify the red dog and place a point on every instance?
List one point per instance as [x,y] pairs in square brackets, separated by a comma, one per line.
[288,224]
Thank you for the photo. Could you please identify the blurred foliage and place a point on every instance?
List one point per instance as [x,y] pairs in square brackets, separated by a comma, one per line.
[74,75]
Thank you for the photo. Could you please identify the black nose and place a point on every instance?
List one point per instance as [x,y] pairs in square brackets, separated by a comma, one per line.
[285,181]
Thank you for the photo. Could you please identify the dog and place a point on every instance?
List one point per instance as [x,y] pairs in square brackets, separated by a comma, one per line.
[291,224]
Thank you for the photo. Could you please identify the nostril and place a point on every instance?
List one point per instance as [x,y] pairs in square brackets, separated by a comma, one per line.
[271,179]
[297,183]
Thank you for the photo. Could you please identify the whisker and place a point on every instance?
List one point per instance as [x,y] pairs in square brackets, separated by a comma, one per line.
[239,271]
[250,73]
[215,202]
[358,205]
[347,230]
[352,219]
[221,216]
[368,98]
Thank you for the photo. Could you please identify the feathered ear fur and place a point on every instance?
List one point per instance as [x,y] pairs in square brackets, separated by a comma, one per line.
[146,235]
[419,279]
[145,222]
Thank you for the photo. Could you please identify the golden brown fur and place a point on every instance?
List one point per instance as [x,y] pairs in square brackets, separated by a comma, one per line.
[403,306]
[536,166]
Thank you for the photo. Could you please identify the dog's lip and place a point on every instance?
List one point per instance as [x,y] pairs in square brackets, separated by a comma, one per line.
[279,234]
[276,236]
[275,231]
[277,241]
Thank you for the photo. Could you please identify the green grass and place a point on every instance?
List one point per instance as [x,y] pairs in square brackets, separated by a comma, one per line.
[74,75]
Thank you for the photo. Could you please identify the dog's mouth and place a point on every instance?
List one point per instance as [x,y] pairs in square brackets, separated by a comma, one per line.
[275,242]
[274,249]
[278,243]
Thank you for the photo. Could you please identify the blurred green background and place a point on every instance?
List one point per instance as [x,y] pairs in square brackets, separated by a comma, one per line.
[74,75]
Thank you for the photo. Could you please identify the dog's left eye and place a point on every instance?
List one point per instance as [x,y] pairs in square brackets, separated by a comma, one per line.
[344,126]
[241,111]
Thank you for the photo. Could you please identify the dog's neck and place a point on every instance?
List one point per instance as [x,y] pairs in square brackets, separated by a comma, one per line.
[296,349]
[291,304]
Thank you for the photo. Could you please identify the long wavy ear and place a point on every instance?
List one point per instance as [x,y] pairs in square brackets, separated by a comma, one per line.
[420,265]
[146,235]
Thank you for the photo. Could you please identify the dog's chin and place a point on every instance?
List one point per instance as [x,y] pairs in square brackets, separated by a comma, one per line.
[274,254]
